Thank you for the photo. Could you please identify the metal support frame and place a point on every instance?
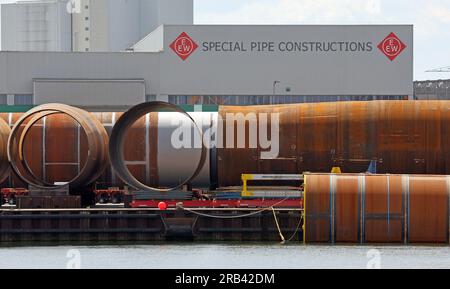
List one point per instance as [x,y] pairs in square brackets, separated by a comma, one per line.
[272,177]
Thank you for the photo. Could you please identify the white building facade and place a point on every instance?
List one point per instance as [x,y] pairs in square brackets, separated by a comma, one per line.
[86,25]
[35,26]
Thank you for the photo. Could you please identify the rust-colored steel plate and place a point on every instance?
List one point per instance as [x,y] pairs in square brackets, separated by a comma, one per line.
[383,213]
[61,154]
[60,172]
[134,147]
[428,209]
[232,162]
[153,151]
[346,209]
[61,149]
[138,171]
[317,131]
[318,228]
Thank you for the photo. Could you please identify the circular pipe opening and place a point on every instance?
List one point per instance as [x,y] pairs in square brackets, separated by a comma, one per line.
[97,138]
[118,136]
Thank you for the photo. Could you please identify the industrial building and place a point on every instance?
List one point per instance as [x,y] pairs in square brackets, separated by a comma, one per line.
[432,89]
[86,25]
[35,26]
[277,64]
[220,64]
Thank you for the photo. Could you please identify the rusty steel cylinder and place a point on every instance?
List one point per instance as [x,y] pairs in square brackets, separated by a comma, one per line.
[411,137]
[365,208]
[119,136]
[97,142]
[4,163]
[401,137]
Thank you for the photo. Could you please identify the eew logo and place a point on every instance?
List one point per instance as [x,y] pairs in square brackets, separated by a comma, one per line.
[183,46]
[391,46]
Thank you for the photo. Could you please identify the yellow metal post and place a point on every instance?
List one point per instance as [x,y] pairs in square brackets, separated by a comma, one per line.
[245,178]
[336,170]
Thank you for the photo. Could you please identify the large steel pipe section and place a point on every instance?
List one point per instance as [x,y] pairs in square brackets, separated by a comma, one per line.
[96,135]
[410,137]
[173,165]
[176,164]
[360,208]
[4,163]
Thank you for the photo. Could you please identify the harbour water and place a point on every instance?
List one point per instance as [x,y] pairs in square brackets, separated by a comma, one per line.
[225,256]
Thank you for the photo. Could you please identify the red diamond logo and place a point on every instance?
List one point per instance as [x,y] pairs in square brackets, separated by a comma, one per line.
[183,46]
[391,46]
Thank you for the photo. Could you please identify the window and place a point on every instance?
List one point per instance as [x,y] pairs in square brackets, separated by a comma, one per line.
[86,49]
[150,97]
[3,99]
[86,18]
[86,28]
[269,99]
[23,99]
[87,38]
[86,7]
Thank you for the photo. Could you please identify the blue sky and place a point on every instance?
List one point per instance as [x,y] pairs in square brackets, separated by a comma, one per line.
[431,20]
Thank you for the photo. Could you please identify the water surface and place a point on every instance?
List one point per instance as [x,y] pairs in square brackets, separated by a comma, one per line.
[225,256]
